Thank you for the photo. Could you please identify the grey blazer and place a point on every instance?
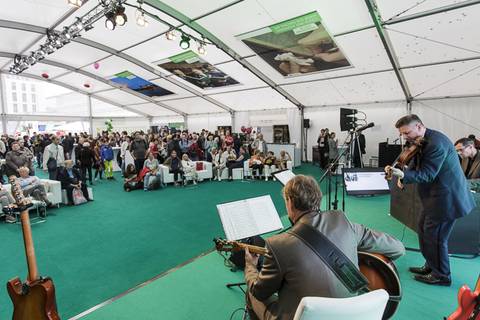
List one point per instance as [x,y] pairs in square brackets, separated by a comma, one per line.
[475,169]
[293,270]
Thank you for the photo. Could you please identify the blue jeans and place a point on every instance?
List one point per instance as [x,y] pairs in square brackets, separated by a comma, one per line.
[146,179]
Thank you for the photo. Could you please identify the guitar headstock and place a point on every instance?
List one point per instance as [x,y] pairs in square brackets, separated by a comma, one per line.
[17,193]
[226,245]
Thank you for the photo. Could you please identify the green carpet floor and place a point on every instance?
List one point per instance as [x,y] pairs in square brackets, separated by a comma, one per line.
[101,249]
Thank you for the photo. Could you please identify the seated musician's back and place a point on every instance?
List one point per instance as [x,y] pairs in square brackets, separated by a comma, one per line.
[292,269]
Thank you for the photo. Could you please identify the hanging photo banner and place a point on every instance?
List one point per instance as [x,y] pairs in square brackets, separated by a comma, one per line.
[139,85]
[190,67]
[297,46]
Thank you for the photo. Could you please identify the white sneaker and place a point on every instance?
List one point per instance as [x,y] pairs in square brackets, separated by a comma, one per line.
[266,178]
[194,182]
[219,179]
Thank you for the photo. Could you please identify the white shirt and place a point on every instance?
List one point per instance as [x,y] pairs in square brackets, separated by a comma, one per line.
[123,149]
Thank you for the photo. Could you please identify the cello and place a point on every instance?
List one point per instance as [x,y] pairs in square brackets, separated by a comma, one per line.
[33,299]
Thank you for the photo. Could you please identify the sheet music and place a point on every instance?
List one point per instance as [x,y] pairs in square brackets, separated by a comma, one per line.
[249,217]
[284,176]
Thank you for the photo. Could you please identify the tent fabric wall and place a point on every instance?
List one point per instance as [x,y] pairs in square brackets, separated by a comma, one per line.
[121,124]
[383,115]
[294,119]
[456,117]
[211,122]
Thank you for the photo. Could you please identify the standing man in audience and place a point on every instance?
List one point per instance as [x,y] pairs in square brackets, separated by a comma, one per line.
[55,152]
[470,157]
[138,150]
[292,270]
[444,194]
[68,143]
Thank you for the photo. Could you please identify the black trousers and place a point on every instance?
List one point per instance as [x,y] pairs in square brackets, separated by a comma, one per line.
[84,170]
[69,190]
[139,164]
[256,167]
[176,172]
[233,165]
[433,239]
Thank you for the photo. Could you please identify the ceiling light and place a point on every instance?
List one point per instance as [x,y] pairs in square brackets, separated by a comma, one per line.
[120,16]
[141,21]
[75,3]
[201,48]
[31,60]
[170,34]
[110,21]
[185,42]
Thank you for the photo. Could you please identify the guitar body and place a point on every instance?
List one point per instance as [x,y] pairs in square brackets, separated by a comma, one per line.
[382,274]
[468,304]
[38,303]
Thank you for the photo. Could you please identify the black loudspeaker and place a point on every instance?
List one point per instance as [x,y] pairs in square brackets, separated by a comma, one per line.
[347,119]
[306,123]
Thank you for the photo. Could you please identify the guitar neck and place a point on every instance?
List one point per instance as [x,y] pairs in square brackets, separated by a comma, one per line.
[29,249]
[253,249]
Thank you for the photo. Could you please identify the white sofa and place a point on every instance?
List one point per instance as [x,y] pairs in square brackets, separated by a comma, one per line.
[267,172]
[53,188]
[206,173]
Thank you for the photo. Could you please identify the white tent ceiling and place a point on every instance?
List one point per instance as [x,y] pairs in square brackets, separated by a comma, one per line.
[427,45]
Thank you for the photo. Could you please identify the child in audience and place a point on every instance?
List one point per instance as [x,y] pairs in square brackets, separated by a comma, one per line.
[256,163]
[131,179]
[269,163]
[282,160]
[106,154]
[189,168]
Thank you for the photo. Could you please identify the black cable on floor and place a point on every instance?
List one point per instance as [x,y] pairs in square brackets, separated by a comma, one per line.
[235,311]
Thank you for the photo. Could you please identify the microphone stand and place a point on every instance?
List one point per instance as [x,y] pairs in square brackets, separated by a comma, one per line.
[328,173]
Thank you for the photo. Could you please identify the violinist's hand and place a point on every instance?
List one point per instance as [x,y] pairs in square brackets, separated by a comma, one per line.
[394,172]
[251,258]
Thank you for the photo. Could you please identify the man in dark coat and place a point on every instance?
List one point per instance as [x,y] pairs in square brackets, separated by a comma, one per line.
[444,193]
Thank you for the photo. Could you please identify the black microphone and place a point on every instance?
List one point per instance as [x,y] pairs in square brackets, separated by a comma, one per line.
[371,124]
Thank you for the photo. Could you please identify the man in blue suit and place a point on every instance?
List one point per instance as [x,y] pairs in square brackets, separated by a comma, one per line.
[443,191]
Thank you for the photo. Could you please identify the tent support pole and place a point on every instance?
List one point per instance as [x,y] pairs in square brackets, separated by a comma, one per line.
[90,114]
[3,104]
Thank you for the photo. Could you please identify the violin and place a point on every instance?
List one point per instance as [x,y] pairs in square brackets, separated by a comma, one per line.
[404,158]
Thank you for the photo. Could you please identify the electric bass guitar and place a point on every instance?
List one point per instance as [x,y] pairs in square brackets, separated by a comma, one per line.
[33,299]
[468,303]
[378,269]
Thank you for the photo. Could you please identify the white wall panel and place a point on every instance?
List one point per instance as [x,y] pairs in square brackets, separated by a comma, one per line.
[128,124]
[198,122]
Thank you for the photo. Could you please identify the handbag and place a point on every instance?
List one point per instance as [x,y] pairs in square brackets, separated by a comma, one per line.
[78,197]
[52,163]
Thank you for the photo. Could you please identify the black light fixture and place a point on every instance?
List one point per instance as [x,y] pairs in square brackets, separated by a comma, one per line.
[120,16]
[110,23]
[185,42]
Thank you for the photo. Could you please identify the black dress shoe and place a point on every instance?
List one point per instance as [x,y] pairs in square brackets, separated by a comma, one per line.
[420,270]
[432,279]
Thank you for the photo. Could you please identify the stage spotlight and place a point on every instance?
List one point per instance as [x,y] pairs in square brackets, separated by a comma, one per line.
[31,60]
[110,21]
[141,21]
[185,42]
[49,48]
[120,16]
[170,34]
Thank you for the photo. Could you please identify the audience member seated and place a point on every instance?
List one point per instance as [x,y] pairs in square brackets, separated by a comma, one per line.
[470,157]
[282,160]
[153,172]
[189,169]
[237,163]
[269,164]
[32,186]
[7,200]
[71,179]
[219,163]
[174,165]
[131,181]
[15,159]
[256,164]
